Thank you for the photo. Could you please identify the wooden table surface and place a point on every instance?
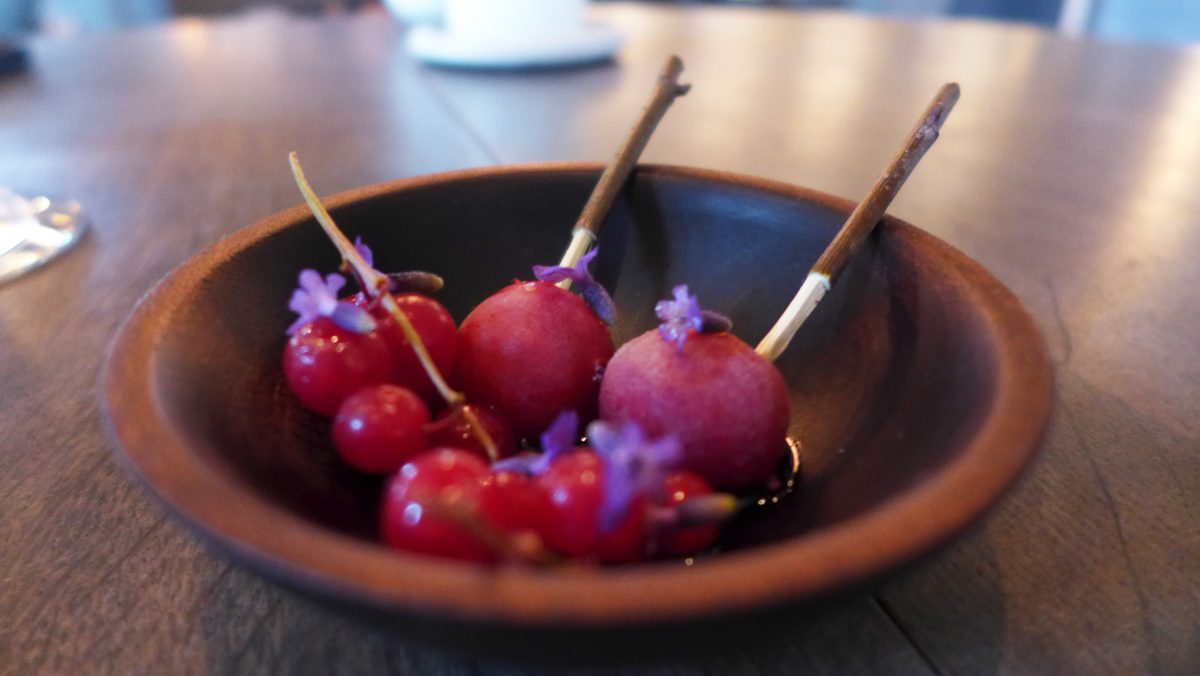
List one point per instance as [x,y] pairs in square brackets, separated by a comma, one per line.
[1069,169]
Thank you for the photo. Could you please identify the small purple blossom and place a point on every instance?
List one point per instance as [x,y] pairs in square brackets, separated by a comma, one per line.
[562,434]
[634,466]
[519,464]
[557,440]
[683,315]
[592,291]
[318,297]
[365,251]
[679,317]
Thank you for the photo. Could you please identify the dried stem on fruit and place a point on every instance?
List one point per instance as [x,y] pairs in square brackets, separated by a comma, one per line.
[481,433]
[859,224]
[618,170]
[522,547]
[706,510]
[375,285]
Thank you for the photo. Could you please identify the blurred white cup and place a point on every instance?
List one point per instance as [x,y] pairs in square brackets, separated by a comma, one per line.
[416,12]
[512,19]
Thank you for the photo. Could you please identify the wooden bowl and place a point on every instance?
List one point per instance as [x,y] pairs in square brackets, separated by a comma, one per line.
[920,388]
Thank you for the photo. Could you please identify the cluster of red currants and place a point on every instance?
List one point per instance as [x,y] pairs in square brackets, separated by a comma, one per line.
[530,360]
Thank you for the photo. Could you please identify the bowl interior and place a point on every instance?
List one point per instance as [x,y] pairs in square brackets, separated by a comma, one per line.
[892,376]
[919,389]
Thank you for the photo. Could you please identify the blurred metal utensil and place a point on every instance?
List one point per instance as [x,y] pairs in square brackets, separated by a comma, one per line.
[34,231]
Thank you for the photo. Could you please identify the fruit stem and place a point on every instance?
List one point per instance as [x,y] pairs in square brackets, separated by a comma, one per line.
[481,433]
[583,236]
[452,396]
[524,546]
[373,282]
[707,509]
[375,285]
[704,510]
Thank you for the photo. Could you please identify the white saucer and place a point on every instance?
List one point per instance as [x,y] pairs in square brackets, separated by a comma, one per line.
[590,42]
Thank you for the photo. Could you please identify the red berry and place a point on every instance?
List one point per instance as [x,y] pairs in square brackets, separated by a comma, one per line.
[438,333]
[678,487]
[569,495]
[533,350]
[452,429]
[325,363]
[726,404]
[378,428]
[440,479]
[508,501]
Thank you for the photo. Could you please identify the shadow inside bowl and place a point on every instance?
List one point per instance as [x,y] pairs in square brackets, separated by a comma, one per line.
[887,381]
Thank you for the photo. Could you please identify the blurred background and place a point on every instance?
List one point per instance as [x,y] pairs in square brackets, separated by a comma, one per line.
[1167,21]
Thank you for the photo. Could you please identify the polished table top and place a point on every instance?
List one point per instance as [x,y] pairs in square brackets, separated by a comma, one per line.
[1069,169]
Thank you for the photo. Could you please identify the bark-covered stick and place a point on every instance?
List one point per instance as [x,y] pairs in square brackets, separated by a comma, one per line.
[860,224]
[618,170]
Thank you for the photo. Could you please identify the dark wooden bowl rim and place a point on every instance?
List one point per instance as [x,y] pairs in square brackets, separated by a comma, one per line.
[306,555]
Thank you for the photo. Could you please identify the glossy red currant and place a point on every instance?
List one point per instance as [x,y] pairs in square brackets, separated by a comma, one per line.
[570,494]
[508,501]
[672,542]
[324,363]
[419,495]
[438,332]
[380,427]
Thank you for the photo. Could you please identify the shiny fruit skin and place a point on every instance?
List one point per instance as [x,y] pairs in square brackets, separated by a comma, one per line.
[324,364]
[452,429]
[533,350]
[438,332]
[567,519]
[450,477]
[673,542]
[380,427]
[508,501]
[726,404]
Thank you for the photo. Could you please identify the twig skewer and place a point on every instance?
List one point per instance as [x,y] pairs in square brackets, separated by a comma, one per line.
[583,236]
[859,224]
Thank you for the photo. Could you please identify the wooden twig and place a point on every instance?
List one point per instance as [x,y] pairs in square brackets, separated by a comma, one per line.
[583,236]
[860,224]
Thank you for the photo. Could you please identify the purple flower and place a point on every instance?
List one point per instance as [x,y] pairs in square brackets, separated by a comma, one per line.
[634,466]
[557,440]
[318,298]
[591,290]
[364,251]
[562,434]
[679,317]
[682,315]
